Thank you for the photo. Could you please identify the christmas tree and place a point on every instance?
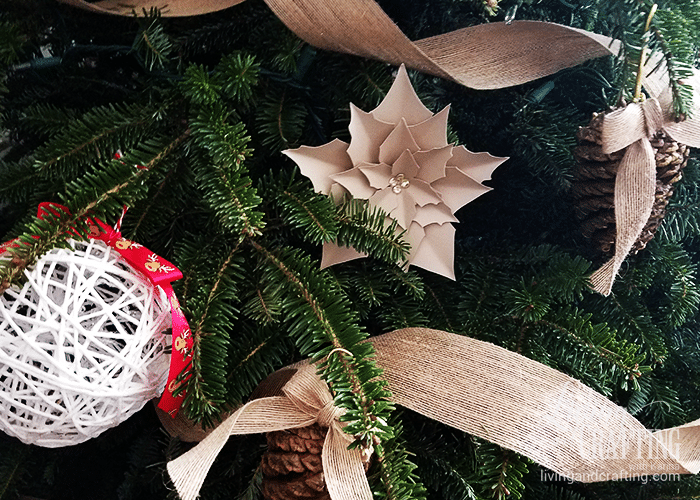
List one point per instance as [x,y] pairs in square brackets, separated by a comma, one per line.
[201,108]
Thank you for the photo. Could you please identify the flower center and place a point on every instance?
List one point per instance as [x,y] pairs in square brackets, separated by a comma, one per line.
[398,183]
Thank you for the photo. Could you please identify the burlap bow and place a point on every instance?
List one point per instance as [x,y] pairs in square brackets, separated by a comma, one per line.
[306,401]
[476,387]
[635,184]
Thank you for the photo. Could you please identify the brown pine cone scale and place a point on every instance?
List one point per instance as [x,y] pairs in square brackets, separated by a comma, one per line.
[292,467]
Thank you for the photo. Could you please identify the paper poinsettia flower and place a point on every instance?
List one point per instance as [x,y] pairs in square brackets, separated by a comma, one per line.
[399,159]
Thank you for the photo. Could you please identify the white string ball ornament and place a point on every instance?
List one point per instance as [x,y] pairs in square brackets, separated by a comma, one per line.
[82,346]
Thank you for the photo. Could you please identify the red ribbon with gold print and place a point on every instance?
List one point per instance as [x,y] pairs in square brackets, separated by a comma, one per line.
[161,273]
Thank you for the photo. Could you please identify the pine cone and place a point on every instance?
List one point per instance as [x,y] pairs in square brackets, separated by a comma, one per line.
[292,467]
[594,185]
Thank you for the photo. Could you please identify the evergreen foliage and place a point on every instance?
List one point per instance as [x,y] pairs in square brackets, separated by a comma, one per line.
[200,109]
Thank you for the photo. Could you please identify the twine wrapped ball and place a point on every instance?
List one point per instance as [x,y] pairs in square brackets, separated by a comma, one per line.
[82,346]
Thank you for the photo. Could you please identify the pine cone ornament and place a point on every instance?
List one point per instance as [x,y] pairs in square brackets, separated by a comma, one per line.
[594,185]
[292,467]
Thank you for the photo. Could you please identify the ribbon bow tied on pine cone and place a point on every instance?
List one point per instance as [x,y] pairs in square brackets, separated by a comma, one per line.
[306,400]
[632,127]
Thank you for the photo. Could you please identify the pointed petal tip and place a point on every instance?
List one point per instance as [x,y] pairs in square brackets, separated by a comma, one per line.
[402,101]
[334,254]
[318,163]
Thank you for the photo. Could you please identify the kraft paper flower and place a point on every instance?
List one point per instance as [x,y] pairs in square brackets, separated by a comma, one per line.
[399,159]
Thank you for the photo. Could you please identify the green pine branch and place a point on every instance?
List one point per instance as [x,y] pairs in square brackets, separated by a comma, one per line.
[682,220]
[672,33]
[280,118]
[218,159]
[367,230]
[501,472]
[238,75]
[13,468]
[254,354]
[96,136]
[312,214]
[152,43]
[656,403]
[44,118]
[103,191]
[207,295]
[446,458]
[592,351]
[324,327]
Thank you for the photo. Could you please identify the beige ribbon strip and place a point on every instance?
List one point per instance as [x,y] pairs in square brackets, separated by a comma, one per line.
[479,388]
[635,182]
[525,406]
[169,8]
[487,56]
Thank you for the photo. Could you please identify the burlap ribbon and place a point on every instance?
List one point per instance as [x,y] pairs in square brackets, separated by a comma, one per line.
[171,8]
[486,56]
[476,387]
[635,184]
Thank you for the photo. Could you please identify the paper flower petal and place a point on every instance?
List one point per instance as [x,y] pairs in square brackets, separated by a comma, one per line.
[377,175]
[478,166]
[457,189]
[405,210]
[367,134]
[434,214]
[396,143]
[384,199]
[432,133]
[318,163]
[433,162]
[413,236]
[423,193]
[334,254]
[401,102]
[406,165]
[436,250]
[338,193]
[355,182]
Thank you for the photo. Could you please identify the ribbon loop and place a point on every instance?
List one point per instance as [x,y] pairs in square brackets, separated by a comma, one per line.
[653,117]
[626,126]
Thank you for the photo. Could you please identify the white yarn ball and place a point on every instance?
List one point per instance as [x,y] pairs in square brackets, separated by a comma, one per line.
[82,346]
